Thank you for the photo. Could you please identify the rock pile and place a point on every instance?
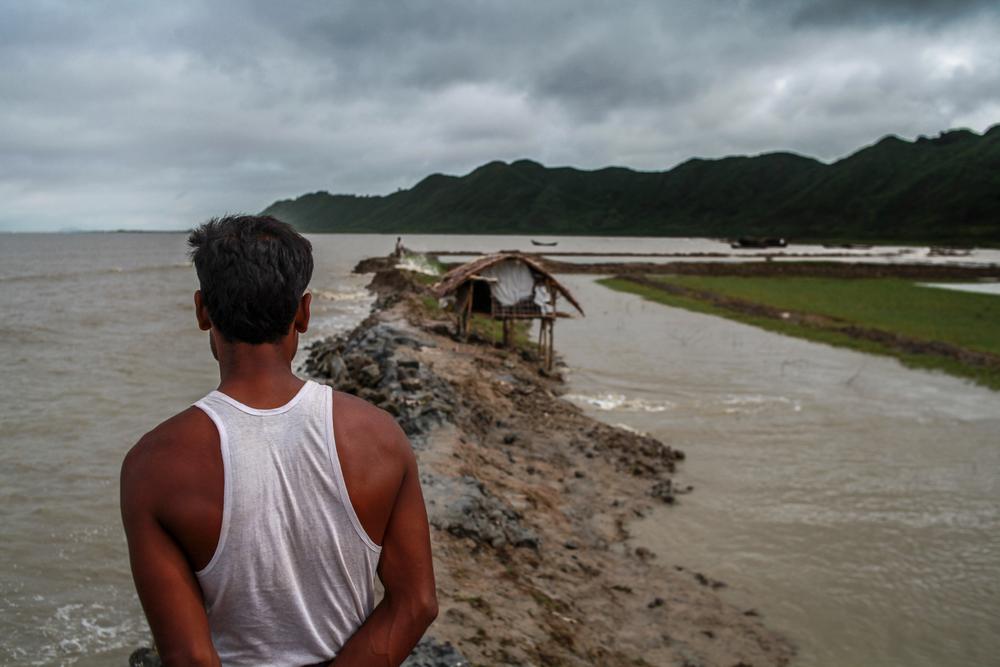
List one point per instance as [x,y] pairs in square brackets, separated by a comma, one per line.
[372,362]
[428,653]
[464,507]
[432,653]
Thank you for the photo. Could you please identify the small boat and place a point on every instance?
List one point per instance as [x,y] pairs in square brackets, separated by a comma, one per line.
[758,242]
[544,243]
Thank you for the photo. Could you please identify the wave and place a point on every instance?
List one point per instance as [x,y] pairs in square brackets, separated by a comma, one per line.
[75,631]
[417,264]
[630,429]
[620,402]
[753,403]
[107,270]
[334,295]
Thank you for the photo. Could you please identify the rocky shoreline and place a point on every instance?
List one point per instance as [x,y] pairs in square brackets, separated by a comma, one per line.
[530,501]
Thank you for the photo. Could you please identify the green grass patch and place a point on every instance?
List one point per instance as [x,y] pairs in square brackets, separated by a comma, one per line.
[967,320]
[492,329]
[482,325]
[425,278]
[431,304]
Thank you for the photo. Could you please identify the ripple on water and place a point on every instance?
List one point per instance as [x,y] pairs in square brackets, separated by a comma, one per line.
[620,402]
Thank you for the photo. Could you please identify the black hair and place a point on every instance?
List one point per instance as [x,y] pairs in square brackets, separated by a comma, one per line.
[253,271]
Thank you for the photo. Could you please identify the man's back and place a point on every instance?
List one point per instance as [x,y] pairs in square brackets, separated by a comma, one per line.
[266,502]
[277,510]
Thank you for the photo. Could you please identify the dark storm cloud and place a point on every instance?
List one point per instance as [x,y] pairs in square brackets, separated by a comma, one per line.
[825,12]
[160,114]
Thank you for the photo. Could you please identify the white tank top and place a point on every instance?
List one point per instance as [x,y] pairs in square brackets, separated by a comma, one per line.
[293,575]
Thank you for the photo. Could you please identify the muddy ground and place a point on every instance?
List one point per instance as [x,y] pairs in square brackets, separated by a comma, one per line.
[530,501]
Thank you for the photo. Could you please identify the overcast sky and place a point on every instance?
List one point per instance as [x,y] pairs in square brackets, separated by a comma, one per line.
[158,115]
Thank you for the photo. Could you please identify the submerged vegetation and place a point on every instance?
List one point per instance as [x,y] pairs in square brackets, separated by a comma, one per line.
[924,327]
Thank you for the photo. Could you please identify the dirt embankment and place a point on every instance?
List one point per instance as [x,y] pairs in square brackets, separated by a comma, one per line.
[529,502]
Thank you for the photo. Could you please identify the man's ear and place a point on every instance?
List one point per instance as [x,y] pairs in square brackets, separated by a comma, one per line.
[204,322]
[301,322]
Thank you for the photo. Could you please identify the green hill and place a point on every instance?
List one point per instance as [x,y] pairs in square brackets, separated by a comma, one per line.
[942,190]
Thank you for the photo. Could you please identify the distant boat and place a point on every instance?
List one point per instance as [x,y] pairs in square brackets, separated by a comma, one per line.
[544,243]
[759,242]
[849,246]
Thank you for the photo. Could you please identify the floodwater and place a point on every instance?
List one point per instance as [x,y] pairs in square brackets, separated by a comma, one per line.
[853,502]
[978,288]
[98,344]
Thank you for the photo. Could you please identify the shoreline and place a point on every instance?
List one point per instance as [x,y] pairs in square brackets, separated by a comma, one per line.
[530,501]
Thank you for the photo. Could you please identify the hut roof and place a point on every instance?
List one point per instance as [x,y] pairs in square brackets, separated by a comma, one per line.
[457,276]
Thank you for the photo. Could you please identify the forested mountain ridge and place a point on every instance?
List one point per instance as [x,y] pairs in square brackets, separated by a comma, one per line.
[943,190]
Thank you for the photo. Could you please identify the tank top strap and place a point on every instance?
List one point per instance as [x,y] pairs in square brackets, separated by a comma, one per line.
[307,392]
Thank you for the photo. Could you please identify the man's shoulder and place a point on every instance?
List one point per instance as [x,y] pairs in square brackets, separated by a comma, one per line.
[376,459]
[171,443]
[361,425]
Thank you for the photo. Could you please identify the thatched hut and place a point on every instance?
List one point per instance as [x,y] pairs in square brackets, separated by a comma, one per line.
[507,286]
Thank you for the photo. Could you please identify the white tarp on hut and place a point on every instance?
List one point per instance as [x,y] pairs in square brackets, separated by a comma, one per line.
[511,281]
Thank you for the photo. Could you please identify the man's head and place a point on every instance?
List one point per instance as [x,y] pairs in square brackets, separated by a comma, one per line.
[253,272]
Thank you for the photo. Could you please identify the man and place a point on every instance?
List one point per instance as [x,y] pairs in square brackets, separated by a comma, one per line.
[257,518]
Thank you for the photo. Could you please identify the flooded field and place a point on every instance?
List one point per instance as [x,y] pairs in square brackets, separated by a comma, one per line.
[851,501]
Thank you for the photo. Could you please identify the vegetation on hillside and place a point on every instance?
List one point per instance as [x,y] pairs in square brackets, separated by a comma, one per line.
[942,190]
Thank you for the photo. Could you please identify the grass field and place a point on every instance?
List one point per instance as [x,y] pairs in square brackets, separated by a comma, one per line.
[923,315]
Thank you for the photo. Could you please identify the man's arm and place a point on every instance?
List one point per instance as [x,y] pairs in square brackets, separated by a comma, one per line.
[407,574]
[167,588]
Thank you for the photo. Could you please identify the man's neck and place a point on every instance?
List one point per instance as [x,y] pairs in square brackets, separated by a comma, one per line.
[258,375]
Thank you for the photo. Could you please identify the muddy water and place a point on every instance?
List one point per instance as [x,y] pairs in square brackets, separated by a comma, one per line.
[853,502]
[98,345]
[807,459]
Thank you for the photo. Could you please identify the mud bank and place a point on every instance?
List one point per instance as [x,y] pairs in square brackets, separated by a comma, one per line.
[529,502]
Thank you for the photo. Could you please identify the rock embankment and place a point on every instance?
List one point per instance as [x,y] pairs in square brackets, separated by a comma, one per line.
[530,502]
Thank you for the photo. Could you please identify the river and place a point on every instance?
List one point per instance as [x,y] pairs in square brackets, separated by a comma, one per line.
[851,501]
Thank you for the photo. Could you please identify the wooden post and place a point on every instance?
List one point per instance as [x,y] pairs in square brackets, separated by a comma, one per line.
[466,311]
[552,343]
[552,327]
[545,342]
